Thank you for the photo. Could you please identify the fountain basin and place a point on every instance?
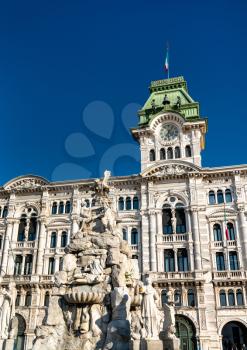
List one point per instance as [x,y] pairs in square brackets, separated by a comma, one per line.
[84,297]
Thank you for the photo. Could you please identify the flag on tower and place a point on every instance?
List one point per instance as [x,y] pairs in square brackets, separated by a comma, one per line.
[166,66]
[167,61]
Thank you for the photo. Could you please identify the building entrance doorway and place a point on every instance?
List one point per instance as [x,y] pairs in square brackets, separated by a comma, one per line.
[234,336]
[186,332]
[19,326]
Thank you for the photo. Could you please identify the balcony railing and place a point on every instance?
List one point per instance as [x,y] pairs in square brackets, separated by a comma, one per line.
[177,237]
[178,275]
[24,244]
[237,274]
[219,244]
[134,247]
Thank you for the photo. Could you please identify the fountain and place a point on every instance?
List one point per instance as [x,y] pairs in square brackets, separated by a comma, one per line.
[98,301]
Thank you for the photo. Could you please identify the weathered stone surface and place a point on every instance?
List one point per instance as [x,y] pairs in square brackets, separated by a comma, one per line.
[97,303]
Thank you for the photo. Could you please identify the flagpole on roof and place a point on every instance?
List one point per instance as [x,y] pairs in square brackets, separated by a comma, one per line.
[168,75]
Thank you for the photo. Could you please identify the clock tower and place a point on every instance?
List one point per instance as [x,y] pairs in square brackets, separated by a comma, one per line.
[170,128]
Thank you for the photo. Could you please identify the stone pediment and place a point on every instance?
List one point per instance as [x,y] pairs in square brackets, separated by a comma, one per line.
[170,168]
[25,182]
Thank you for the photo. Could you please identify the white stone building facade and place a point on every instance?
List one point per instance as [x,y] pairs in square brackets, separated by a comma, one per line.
[186,226]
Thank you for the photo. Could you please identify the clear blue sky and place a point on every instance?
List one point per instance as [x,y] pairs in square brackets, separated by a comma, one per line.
[59,58]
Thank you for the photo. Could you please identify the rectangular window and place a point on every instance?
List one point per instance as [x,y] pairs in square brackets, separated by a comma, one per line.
[18,265]
[28,265]
[220,262]
[51,266]
[169,260]
[233,260]
[182,260]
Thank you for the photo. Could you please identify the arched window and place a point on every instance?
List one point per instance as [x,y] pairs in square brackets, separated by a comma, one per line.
[167,219]
[47,299]
[28,299]
[51,266]
[54,208]
[177,298]
[169,153]
[191,298]
[187,151]
[125,234]
[93,202]
[182,260]
[22,227]
[67,207]
[53,243]
[240,299]
[64,239]
[152,155]
[18,265]
[32,228]
[87,203]
[128,203]
[162,154]
[231,231]
[135,203]
[17,299]
[233,260]
[61,208]
[211,197]
[177,152]
[121,204]
[164,297]
[228,196]
[223,298]
[1,242]
[180,218]
[220,197]
[134,236]
[217,232]
[169,265]
[231,300]
[28,264]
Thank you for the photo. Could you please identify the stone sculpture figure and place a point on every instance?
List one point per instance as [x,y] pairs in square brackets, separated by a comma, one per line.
[169,327]
[5,314]
[150,311]
[118,331]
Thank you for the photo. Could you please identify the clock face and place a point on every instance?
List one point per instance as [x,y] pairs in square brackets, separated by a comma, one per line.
[168,132]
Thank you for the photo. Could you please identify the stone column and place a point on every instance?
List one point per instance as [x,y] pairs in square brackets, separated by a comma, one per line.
[152,241]
[175,260]
[243,234]
[5,253]
[56,268]
[15,231]
[195,235]
[159,227]
[188,220]
[191,257]
[23,264]
[41,247]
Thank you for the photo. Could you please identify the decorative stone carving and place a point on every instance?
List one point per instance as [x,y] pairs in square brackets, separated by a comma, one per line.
[6,310]
[169,328]
[25,183]
[150,312]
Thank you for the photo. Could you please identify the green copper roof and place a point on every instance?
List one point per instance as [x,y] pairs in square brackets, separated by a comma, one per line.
[177,99]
